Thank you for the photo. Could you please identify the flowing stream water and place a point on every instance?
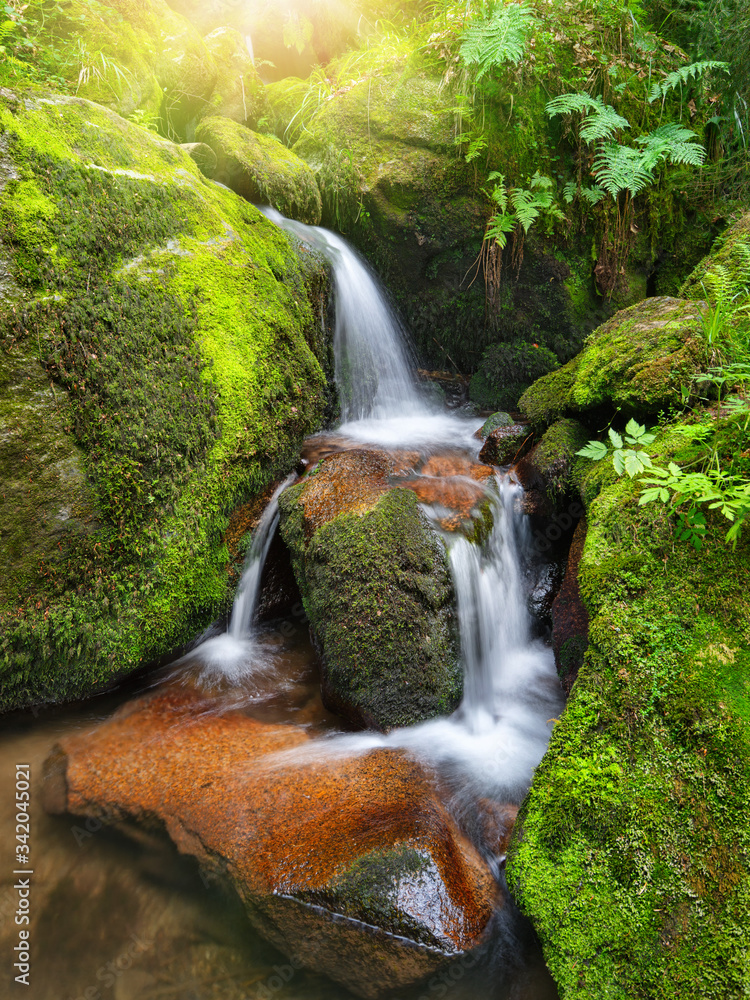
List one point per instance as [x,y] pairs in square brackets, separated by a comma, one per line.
[488,747]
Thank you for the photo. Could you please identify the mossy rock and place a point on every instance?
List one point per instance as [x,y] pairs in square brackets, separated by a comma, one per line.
[638,362]
[505,444]
[730,251]
[507,370]
[137,56]
[239,93]
[377,589]
[495,420]
[261,169]
[163,357]
[632,853]
[547,472]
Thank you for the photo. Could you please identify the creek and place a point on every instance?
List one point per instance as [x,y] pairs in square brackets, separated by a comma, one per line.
[96,879]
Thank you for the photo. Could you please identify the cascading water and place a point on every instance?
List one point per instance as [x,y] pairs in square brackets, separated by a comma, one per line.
[238,654]
[493,742]
[248,591]
[374,369]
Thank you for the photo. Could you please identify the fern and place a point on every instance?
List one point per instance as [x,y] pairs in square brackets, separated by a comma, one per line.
[671,143]
[499,39]
[683,75]
[621,168]
[601,122]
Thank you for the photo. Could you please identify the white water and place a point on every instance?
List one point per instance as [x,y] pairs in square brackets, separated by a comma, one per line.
[374,367]
[240,653]
[493,742]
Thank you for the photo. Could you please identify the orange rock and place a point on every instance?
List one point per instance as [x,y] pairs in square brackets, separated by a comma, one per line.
[344,482]
[496,825]
[349,864]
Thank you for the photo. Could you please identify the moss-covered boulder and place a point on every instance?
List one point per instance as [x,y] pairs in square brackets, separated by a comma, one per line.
[729,258]
[506,370]
[239,93]
[136,58]
[546,473]
[377,589]
[162,357]
[633,859]
[638,362]
[261,169]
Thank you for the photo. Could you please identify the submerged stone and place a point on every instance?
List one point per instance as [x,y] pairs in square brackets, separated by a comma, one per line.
[347,862]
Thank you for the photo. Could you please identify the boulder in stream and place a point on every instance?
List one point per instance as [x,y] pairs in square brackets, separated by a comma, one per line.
[375,581]
[347,861]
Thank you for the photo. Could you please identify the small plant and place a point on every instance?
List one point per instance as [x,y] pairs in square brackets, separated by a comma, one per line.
[686,491]
[499,39]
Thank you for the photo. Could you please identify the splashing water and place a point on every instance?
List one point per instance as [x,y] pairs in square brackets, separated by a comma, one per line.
[492,743]
[240,653]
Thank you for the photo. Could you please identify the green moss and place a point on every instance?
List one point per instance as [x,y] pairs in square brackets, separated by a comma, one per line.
[633,857]
[239,93]
[555,455]
[378,592]
[185,347]
[549,397]
[261,169]
[728,251]
[506,371]
[637,362]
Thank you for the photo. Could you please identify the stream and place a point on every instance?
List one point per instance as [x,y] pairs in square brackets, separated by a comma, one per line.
[118,912]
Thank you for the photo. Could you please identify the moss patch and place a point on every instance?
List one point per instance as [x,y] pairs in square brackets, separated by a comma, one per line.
[377,589]
[183,338]
[632,856]
[637,362]
[261,169]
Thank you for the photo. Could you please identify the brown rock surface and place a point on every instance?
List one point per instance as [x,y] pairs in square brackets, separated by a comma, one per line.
[570,617]
[349,864]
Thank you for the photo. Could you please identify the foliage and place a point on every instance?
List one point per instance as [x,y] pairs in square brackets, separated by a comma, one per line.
[685,490]
[681,76]
[499,39]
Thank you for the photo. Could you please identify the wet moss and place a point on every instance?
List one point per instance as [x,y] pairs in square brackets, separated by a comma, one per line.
[378,593]
[632,857]
[184,341]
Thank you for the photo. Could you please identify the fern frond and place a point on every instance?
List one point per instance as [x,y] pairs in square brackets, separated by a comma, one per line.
[601,121]
[499,39]
[527,207]
[682,75]
[671,143]
[499,227]
[567,104]
[621,168]
[593,195]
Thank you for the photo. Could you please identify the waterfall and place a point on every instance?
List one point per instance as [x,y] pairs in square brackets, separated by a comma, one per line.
[237,655]
[248,591]
[374,367]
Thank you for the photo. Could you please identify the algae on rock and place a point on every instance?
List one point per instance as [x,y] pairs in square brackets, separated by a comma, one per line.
[182,335]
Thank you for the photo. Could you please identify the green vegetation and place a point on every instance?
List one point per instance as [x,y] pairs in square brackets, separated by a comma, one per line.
[178,338]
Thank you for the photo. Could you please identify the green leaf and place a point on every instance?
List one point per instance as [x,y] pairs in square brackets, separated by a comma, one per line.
[618,461]
[632,463]
[595,450]
[615,438]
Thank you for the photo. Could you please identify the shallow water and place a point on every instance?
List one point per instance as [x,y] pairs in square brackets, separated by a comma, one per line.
[116,911]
